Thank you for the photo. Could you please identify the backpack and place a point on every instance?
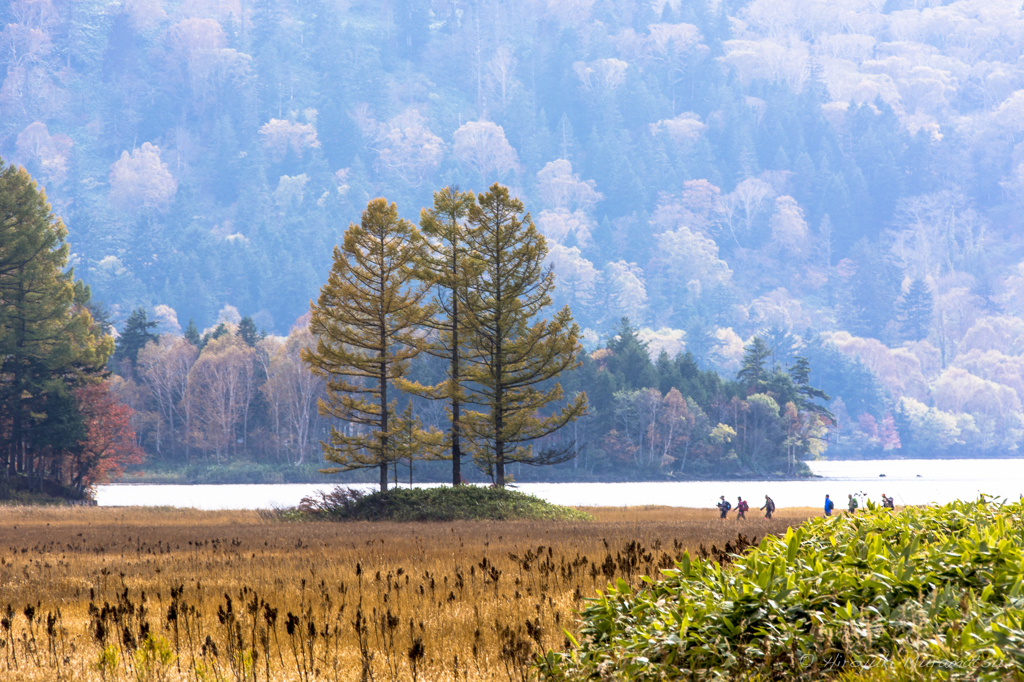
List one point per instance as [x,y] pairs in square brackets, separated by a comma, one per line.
[744,506]
[728,505]
[770,505]
[854,504]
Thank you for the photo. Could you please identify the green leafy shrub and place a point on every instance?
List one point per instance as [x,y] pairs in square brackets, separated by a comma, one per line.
[928,593]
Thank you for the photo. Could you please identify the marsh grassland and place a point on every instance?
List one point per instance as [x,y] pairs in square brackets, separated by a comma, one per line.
[168,594]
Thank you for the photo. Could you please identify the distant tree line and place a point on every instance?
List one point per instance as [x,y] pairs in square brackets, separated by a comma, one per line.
[670,418]
[432,344]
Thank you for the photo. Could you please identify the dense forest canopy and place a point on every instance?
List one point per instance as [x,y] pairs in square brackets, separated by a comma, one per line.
[842,178]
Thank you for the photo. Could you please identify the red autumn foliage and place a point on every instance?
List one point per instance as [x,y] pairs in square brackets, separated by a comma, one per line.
[109,445]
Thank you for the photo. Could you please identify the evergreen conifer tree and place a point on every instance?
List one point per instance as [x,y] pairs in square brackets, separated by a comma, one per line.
[630,360]
[915,311]
[366,324]
[753,374]
[514,356]
[781,345]
[192,334]
[48,339]
[702,342]
[247,332]
[135,336]
[800,373]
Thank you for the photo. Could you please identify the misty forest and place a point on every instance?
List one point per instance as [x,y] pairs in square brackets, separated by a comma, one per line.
[784,228]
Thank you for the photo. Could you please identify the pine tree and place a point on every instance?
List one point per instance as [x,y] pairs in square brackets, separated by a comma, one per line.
[48,339]
[192,334]
[915,311]
[512,354]
[702,342]
[630,361]
[366,323]
[753,374]
[800,373]
[135,336]
[446,262]
[781,345]
[247,332]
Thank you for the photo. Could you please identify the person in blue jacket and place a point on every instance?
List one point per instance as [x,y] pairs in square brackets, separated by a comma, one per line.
[828,506]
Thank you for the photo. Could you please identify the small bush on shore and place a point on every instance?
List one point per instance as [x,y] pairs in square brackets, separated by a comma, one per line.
[443,503]
[929,593]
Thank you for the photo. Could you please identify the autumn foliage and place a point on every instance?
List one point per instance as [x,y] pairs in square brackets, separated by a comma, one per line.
[109,444]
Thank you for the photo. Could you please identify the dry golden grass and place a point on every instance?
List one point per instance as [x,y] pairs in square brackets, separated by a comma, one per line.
[221,591]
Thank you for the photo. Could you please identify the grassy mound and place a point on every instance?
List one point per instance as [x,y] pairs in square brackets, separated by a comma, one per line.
[464,503]
[933,593]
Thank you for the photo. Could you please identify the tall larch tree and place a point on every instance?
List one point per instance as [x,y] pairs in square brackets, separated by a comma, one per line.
[446,262]
[513,356]
[367,324]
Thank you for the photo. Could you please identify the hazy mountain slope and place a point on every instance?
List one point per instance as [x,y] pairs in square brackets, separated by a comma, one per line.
[710,169]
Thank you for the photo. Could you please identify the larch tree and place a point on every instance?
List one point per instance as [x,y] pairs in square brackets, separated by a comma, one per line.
[367,323]
[445,261]
[513,355]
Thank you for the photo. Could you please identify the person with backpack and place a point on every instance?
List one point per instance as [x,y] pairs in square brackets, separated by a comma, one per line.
[829,504]
[769,507]
[887,502]
[724,506]
[741,508]
[853,504]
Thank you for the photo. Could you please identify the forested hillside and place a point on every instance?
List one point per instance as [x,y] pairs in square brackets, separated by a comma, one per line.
[844,178]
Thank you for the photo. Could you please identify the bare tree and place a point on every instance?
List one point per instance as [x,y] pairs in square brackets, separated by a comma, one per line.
[220,384]
[501,72]
[163,367]
[294,390]
[481,145]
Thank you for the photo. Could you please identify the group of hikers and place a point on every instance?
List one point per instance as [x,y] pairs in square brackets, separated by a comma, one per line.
[724,507]
[852,505]
[742,507]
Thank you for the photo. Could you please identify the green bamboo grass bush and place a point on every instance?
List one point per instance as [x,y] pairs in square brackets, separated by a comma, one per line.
[442,503]
[851,596]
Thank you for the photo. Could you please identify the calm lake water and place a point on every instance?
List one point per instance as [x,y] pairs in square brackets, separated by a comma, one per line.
[908,481]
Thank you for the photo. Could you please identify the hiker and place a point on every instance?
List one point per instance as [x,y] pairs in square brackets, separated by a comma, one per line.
[741,508]
[887,502]
[853,504]
[724,506]
[828,506]
[769,507]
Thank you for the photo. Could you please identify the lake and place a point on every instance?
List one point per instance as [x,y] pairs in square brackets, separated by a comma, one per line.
[908,481]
